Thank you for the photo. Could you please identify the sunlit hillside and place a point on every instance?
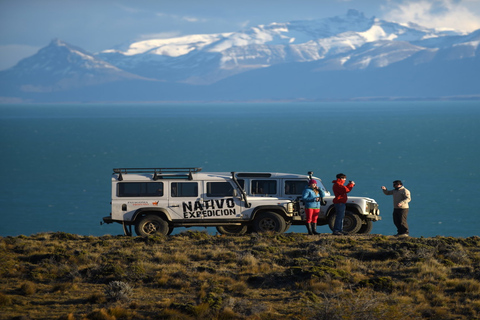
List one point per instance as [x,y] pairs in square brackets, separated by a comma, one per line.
[194,275]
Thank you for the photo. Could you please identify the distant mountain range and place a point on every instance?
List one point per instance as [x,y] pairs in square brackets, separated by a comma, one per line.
[340,58]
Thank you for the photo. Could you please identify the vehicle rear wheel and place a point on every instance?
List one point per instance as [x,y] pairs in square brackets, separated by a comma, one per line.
[351,223]
[269,221]
[151,225]
[232,230]
[367,227]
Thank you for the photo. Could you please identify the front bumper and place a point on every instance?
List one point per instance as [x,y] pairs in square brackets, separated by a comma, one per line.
[372,217]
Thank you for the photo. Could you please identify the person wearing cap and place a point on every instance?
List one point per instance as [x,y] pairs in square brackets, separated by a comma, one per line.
[313,199]
[401,198]
[340,190]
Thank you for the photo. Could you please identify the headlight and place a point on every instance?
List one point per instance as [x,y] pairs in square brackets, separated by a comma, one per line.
[290,207]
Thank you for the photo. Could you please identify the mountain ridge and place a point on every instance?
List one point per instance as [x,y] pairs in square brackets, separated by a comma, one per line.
[296,55]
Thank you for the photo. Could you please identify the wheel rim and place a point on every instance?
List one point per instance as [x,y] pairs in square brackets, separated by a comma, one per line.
[150,227]
[268,224]
[347,223]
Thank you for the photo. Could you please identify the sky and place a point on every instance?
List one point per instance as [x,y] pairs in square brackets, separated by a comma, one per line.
[95,25]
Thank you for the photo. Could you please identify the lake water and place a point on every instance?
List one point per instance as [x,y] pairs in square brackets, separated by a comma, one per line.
[56,160]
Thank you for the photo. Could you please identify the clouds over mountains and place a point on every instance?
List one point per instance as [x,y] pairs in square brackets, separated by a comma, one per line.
[440,14]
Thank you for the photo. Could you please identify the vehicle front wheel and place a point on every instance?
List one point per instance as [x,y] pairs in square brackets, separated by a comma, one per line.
[269,221]
[351,223]
[232,230]
[366,227]
[151,225]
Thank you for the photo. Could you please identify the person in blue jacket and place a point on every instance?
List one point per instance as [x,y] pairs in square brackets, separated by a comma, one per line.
[313,198]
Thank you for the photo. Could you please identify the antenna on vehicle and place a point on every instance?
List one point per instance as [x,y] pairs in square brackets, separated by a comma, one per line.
[310,174]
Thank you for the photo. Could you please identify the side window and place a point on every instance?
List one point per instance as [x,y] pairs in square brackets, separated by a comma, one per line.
[140,189]
[264,186]
[219,189]
[184,189]
[295,187]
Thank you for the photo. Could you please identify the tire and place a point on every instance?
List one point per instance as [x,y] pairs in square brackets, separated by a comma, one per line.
[232,230]
[366,228]
[351,223]
[269,222]
[151,225]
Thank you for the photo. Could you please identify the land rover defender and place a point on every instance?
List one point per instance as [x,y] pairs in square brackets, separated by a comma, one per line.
[157,200]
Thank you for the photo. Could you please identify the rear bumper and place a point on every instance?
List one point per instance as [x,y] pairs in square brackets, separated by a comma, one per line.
[108,220]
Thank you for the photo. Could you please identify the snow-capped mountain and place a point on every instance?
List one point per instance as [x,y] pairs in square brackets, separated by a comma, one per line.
[304,58]
[338,41]
[61,66]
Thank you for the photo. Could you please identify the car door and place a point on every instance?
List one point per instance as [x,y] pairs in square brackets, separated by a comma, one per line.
[184,199]
[220,201]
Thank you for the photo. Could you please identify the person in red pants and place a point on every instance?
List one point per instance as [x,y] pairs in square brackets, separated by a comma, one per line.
[313,199]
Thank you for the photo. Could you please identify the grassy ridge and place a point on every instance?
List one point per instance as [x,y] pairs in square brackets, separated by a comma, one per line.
[194,275]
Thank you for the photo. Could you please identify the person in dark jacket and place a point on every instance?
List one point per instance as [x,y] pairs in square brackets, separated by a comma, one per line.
[340,190]
[313,198]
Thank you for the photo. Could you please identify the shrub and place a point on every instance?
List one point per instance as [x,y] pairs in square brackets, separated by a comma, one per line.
[28,288]
[118,291]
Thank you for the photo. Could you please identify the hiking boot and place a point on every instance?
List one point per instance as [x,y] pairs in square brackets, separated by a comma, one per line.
[309,229]
[314,228]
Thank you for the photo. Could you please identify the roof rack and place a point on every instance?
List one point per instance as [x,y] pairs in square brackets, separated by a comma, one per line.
[160,173]
[254,175]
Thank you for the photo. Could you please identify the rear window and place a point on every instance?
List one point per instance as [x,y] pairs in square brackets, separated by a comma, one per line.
[264,186]
[219,189]
[295,186]
[184,189]
[140,189]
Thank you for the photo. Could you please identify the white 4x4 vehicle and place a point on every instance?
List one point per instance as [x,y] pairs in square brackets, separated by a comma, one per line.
[157,200]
